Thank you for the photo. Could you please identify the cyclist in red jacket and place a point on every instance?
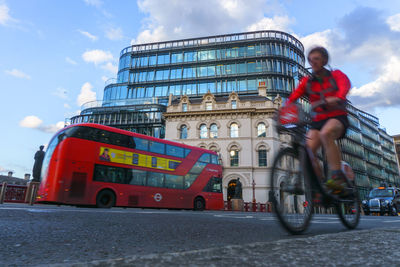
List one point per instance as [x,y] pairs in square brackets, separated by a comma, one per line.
[329,122]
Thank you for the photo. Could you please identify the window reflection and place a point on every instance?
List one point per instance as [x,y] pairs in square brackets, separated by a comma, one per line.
[234,130]
[183,132]
[213,131]
[261,130]
[234,156]
[203,131]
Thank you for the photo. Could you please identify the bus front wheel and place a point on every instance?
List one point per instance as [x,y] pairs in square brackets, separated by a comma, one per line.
[105,199]
[199,204]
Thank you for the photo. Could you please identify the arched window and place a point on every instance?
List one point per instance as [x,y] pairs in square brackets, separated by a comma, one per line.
[234,156]
[213,131]
[262,156]
[234,130]
[261,132]
[183,132]
[203,131]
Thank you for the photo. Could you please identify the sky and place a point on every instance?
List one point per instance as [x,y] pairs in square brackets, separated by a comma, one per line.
[57,55]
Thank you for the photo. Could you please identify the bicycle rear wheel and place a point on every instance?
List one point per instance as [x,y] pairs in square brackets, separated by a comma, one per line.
[349,210]
[291,191]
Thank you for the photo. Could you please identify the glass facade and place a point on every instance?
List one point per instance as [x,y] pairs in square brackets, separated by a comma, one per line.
[219,64]
[370,151]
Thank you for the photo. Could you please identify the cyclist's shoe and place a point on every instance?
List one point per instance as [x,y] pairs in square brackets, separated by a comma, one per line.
[337,185]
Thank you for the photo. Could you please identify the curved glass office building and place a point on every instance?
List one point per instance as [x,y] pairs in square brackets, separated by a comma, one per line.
[219,64]
[149,73]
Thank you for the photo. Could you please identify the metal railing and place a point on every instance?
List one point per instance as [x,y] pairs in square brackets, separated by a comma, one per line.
[217,39]
[119,102]
[19,193]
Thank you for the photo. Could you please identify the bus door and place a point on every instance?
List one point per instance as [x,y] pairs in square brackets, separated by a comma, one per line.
[75,185]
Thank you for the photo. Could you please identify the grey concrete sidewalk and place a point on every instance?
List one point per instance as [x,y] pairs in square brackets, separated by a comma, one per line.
[379,247]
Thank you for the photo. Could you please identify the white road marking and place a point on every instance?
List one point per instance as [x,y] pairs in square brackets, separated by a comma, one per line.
[317,221]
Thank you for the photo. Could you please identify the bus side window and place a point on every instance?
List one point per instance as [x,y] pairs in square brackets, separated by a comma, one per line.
[214,159]
[205,158]
[175,151]
[100,173]
[214,185]
[141,144]
[189,179]
[136,177]
[155,179]
[173,181]
[157,147]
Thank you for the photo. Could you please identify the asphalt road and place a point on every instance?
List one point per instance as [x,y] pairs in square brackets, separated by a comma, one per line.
[45,234]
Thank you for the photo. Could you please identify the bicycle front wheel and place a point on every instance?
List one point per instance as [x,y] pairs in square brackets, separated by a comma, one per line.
[291,191]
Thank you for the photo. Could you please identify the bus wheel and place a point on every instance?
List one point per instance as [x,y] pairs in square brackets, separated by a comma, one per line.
[105,199]
[199,204]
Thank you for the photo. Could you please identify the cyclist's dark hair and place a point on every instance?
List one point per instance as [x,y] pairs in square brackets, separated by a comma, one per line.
[321,50]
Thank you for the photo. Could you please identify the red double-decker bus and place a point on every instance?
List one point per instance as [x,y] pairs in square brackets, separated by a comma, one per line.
[92,164]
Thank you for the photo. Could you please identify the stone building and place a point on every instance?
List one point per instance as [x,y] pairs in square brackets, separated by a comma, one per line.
[396,139]
[238,127]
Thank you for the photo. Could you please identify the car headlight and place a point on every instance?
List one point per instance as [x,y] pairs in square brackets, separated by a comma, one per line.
[364,202]
[385,203]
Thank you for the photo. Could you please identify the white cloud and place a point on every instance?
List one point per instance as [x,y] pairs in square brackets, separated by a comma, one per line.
[18,74]
[66,105]
[383,91]
[86,94]
[97,56]
[61,93]
[88,35]
[394,22]
[5,17]
[30,122]
[95,3]
[114,34]
[279,23]
[151,36]
[110,67]
[186,19]
[34,122]
[53,128]
[70,61]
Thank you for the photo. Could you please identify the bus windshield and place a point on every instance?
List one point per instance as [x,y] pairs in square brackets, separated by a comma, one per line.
[49,151]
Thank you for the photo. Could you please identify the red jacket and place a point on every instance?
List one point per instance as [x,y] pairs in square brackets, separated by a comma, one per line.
[343,86]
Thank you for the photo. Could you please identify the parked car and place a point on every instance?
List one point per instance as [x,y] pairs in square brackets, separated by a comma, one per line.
[382,200]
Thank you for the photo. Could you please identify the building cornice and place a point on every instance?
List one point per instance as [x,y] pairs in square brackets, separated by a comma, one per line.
[270,111]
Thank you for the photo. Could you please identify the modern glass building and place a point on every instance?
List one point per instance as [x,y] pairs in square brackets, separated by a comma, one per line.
[370,151]
[219,64]
[149,73]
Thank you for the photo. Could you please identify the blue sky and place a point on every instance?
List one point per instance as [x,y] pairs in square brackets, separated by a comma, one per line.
[56,55]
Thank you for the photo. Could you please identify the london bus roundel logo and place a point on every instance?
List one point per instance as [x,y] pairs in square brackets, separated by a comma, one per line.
[157,197]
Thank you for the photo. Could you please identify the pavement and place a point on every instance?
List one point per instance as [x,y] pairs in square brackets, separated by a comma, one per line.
[376,247]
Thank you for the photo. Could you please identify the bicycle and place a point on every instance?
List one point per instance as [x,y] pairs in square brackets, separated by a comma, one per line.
[295,179]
